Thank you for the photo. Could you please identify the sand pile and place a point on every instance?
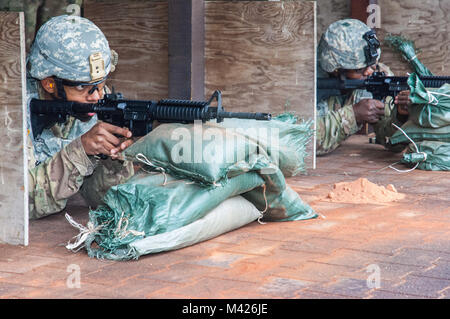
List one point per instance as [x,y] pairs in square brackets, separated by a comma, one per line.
[363,191]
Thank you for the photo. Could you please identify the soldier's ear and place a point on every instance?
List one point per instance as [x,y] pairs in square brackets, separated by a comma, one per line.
[49,85]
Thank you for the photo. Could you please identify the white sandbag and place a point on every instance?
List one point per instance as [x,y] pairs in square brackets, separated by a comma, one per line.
[231,214]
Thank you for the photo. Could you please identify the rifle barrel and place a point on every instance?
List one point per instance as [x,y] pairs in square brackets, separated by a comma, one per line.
[434,81]
[338,84]
[331,83]
[244,115]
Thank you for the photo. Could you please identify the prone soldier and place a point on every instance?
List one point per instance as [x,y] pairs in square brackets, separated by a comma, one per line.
[350,49]
[70,59]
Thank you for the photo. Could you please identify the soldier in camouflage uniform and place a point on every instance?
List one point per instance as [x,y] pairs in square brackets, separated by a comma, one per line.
[344,52]
[70,60]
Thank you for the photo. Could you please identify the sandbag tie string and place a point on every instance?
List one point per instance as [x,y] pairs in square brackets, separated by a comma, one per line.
[83,235]
[425,155]
[413,58]
[432,98]
[142,158]
[122,232]
[417,151]
[267,206]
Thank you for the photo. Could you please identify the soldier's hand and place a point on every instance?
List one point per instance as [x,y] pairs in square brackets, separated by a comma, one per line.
[403,101]
[102,139]
[368,110]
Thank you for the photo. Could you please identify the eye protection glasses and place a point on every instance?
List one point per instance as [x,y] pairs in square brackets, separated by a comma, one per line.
[89,87]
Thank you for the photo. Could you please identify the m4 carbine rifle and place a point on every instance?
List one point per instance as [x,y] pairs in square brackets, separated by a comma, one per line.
[136,115]
[378,84]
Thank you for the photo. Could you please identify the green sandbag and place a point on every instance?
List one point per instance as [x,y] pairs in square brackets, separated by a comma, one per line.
[280,202]
[145,206]
[432,156]
[431,107]
[231,214]
[283,139]
[418,134]
[204,152]
[407,49]
[286,206]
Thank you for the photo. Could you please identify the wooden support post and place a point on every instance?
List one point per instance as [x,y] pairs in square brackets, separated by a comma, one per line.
[186,49]
[13,160]
[360,9]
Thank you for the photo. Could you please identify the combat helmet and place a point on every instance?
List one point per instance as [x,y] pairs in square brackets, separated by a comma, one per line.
[348,44]
[71,49]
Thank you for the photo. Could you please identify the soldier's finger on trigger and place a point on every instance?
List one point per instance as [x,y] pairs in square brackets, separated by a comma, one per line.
[126,144]
[106,130]
[112,129]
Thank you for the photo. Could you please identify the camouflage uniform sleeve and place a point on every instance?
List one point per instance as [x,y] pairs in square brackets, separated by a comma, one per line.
[52,182]
[335,122]
[384,129]
[107,174]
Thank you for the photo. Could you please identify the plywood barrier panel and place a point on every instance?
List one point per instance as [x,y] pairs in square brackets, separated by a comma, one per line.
[261,55]
[424,21]
[329,11]
[138,32]
[13,193]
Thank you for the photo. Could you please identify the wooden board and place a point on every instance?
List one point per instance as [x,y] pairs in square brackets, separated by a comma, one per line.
[138,31]
[423,21]
[13,176]
[186,49]
[329,11]
[261,55]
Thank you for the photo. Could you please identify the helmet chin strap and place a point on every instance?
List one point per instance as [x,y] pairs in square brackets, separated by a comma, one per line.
[60,89]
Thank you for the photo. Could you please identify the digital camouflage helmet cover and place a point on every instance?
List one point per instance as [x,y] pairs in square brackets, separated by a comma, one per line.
[348,44]
[71,48]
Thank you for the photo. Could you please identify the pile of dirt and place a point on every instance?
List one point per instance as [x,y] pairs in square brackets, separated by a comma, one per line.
[363,191]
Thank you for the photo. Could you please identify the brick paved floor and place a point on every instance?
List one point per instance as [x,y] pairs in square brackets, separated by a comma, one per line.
[339,256]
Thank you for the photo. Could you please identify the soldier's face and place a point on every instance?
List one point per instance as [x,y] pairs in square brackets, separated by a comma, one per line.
[82,94]
[85,94]
[360,74]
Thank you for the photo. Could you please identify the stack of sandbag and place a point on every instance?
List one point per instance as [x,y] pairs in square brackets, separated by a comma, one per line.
[427,131]
[199,181]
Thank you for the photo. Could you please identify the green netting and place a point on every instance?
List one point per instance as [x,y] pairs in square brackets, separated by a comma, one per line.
[432,156]
[407,48]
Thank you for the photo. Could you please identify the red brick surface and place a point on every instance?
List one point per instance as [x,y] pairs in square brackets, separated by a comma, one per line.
[326,257]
